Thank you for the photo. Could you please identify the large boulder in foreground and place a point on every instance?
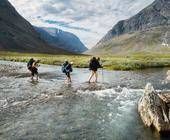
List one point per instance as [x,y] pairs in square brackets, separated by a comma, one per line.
[154,109]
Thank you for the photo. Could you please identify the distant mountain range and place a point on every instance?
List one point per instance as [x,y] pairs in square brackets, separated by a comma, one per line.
[61,39]
[146,32]
[18,35]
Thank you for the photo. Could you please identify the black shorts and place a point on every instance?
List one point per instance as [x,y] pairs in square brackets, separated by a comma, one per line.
[94,69]
[68,74]
[34,71]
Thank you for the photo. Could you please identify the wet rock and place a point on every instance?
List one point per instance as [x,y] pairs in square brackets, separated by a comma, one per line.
[154,110]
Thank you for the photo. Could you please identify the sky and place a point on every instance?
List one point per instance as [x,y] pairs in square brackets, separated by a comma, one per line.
[90,20]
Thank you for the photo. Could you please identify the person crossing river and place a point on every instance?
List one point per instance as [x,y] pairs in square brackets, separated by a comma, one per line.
[93,66]
[32,66]
[67,69]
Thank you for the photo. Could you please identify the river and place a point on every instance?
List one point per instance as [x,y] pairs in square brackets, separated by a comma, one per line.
[52,110]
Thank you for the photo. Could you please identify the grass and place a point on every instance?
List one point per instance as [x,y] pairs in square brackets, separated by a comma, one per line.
[133,62]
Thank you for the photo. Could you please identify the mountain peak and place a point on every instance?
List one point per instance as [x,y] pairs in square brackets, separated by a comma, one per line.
[17,34]
[61,39]
[146,32]
[156,14]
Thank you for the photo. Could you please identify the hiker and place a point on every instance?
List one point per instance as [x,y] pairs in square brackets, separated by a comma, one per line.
[34,69]
[29,66]
[67,69]
[93,66]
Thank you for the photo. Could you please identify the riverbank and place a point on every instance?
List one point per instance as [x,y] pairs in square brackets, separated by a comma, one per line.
[133,62]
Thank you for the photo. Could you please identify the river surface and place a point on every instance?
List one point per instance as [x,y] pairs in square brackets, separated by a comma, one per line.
[52,110]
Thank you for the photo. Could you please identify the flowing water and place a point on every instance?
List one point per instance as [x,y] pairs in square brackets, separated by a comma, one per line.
[52,110]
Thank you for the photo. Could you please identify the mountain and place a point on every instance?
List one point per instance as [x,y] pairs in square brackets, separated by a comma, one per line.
[17,34]
[61,39]
[146,32]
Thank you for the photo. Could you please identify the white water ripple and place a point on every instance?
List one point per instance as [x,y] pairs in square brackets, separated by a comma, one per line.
[3,103]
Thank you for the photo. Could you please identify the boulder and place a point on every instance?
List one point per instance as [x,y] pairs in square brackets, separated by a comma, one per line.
[154,109]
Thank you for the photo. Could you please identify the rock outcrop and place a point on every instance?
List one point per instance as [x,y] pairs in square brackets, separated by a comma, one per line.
[154,109]
[17,34]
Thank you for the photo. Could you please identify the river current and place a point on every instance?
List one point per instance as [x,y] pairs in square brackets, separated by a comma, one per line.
[52,110]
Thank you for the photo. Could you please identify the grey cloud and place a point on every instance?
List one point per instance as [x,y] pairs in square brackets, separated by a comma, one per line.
[52,10]
[66,25]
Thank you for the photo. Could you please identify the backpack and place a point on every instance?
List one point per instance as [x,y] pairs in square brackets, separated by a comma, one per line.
[29,64]
[93,65]
[66,68]
[63,69]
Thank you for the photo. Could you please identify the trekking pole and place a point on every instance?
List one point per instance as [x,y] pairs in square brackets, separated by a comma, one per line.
[102,76]
[101,64]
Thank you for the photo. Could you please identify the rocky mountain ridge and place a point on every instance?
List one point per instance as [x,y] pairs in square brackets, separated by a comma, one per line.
[146,32]
[61,39]
[18,35]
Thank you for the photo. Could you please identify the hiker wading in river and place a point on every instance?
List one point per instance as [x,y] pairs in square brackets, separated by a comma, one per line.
[67,69]
[33,67]
[93,66]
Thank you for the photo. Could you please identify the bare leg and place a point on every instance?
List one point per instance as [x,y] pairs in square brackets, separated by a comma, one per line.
[69,78]
[66,81]
[91,76]
[32,76]
[96,76]
[37,77]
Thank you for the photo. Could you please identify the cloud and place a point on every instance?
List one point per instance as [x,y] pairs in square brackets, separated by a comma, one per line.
[90,20]
[66,25]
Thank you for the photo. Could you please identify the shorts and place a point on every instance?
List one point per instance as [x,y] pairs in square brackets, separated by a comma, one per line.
[68,74]
[93,69]
[34,71]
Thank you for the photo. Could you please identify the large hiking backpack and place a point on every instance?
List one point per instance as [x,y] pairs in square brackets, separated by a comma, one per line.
[63,69]
[29,64]
[66,68]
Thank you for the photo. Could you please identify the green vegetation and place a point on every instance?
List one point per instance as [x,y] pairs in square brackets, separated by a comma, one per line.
[133,62]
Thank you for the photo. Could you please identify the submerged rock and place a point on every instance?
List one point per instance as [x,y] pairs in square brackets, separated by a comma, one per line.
[154,109]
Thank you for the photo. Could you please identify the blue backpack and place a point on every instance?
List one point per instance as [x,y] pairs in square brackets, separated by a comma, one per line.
[29,64]
[64,68]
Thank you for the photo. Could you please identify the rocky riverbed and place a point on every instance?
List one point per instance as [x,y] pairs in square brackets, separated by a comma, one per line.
[49,109]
